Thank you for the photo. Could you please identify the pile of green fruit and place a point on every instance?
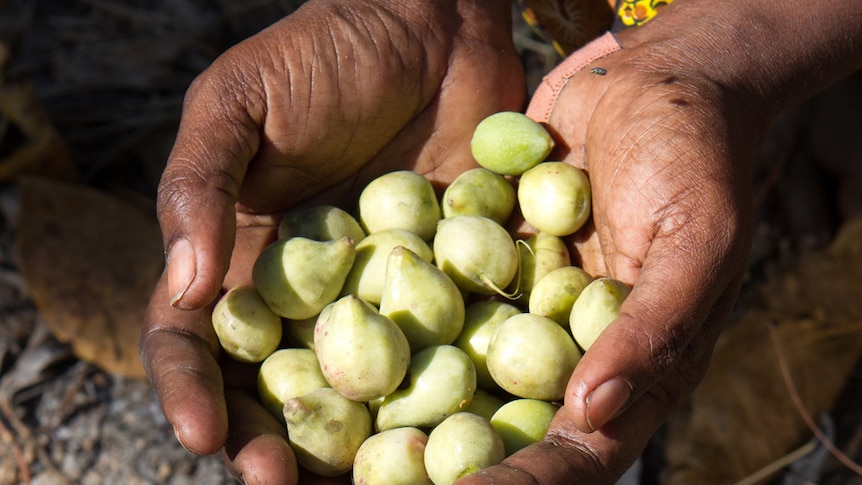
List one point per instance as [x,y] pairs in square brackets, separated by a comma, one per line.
[424,341]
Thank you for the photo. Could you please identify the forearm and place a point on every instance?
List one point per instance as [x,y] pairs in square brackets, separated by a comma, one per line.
[769,52]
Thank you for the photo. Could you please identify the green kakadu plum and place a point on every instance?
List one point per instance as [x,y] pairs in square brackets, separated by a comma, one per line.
[442,381]
[555,197]
[540,254]
[554,295]
[392,457]
[403,200]
[320,223]
[485,404]
[463,444]
[285,374]
[368,273]
[362,354]
[479,192]
[245,326]
[510,143]
[422,300]
[596,307]
[532,356]
[325,430]
[522,422]
[477,253]
[480,322]
[297,277]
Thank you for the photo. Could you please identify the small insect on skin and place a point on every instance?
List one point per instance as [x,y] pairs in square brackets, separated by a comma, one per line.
[601,71]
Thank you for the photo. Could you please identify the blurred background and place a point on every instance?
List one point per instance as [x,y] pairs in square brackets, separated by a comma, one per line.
[90,98]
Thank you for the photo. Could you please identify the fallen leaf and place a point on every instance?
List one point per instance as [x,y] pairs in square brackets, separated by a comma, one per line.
[38,147]
[742,417]
[90,262]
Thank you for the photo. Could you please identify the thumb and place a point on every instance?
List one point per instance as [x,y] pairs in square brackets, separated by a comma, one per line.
[200,186]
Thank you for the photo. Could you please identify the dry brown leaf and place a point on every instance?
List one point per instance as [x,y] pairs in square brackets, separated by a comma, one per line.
[742,417]
[41,150]
[90,262]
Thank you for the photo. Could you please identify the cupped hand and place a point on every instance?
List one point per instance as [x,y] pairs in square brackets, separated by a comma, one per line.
[668,154]
[307,111]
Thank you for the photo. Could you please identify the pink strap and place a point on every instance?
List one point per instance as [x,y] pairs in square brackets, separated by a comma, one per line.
[542,102]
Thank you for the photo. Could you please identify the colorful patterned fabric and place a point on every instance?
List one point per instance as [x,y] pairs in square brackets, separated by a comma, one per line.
[637,12]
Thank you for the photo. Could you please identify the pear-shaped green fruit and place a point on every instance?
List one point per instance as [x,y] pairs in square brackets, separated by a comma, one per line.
[402,200]
[509,143]
[245,326]
[480,322]
[297,277]
[320,223]
[554,295]
[285,374]
[540,254]
[480,192]
[368,273]
[476,252]
[325,430]
[463,444]
[555,197]
[522,422]
[363,354]
[596,307]
[422,300]
[392,457]
[533,357]
[442,382]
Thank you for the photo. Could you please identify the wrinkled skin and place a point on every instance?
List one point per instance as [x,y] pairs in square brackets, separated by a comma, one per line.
[308,111]
[313,108]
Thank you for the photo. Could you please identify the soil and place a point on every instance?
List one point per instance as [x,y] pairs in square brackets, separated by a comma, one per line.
[111,74]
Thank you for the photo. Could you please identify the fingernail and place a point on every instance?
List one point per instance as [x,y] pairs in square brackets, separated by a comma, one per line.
[181,269]
[606,401]
[177,434]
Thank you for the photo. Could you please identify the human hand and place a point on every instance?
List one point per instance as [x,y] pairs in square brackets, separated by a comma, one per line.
[669,170]
[306,112]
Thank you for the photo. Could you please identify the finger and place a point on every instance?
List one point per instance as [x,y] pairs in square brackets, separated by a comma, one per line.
[568,456]
[217,137]
[178,352]
[257,451]
[658,337]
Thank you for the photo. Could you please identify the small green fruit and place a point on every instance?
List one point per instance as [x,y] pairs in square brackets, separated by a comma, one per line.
[523,422]
[554,295]
[596,307]
[510,143]
[362,354]
[533,357]
[245,326]
[297,277]
[463,444]
[480,192]
[400,200]
[285,374]
[555,197]
[392,457]
[325,430]
[442,382]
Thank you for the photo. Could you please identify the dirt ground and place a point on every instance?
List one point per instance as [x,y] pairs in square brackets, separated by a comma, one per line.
[110,76]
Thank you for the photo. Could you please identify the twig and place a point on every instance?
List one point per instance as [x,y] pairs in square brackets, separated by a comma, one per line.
[778,464]
[23,466]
